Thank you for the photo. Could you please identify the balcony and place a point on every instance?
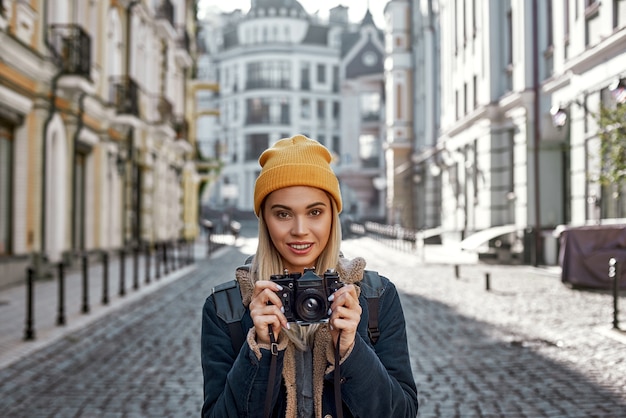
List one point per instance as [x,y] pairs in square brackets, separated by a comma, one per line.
[124,95]
[165,11]
[71,47]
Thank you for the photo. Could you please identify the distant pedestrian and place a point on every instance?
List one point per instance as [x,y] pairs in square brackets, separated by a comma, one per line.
[304,356]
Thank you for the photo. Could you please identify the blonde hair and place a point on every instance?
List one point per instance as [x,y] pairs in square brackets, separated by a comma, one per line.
[267,261]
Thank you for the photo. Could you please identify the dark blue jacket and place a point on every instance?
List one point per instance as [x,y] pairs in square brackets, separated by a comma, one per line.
[377,380]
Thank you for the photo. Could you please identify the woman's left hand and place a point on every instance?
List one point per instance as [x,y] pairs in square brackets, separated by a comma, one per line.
[345,317]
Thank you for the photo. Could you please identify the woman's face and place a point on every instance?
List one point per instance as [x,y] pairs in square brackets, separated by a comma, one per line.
[298,219]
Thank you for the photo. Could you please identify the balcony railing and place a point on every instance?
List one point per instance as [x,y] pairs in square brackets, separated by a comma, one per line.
[124,95]
[267,84]
[72,48]
[165,10]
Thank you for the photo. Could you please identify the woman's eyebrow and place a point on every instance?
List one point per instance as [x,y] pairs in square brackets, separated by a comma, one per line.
[316,204]
[281,206]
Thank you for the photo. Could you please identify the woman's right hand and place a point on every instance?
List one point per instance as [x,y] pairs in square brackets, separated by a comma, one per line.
[266,309]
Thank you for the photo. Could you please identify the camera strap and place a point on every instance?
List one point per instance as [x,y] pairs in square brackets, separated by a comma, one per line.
[272,377]
[337,379]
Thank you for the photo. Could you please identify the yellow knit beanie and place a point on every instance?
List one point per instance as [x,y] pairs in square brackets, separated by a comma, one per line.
[295,161]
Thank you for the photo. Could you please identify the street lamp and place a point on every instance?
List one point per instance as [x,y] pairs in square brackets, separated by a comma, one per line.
[559,116]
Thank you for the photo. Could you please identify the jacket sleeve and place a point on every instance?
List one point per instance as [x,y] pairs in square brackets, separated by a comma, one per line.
[378,381]
[234,383]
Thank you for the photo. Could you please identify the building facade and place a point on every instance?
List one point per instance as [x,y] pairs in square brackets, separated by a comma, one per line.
[280,72]
[512,87]
[94,147]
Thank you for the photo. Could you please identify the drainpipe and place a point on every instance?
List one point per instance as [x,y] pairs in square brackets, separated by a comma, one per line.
[538,243]
[130,135]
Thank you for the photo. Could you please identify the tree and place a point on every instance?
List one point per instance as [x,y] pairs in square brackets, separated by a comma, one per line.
[612,134]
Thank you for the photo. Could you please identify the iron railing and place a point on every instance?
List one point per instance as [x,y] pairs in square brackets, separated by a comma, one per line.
[71,46]
[124,95]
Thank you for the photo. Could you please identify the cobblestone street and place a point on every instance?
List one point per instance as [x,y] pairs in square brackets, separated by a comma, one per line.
[528,347]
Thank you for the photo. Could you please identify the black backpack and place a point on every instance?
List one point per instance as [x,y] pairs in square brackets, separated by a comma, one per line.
[230,309]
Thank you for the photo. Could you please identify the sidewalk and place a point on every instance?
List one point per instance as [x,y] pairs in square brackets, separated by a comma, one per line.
[13,301]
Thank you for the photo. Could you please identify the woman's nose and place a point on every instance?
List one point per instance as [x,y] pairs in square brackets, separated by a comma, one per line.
[299,226]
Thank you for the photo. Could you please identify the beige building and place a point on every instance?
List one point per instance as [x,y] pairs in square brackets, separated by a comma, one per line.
[94,150]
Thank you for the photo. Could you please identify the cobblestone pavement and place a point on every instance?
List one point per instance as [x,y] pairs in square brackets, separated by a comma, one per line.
[528,347]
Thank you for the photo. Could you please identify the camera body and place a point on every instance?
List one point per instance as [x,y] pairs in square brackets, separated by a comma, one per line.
[305,296]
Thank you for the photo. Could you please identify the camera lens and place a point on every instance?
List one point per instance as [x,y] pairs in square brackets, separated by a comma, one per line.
[311,306]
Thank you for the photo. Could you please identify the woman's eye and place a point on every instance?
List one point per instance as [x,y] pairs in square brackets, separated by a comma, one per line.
[316,212]
[282,215]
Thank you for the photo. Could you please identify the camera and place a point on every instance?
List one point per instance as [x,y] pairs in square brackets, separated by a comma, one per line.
[305,296]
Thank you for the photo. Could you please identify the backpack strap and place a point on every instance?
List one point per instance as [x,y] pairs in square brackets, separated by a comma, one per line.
[230,309]
[371,288]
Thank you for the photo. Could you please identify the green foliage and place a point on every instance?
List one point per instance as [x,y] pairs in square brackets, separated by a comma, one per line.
[612,134]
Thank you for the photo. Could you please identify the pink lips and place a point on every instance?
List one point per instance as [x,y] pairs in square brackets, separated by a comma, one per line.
[300,248]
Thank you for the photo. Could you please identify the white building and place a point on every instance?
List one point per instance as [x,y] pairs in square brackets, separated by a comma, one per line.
[280,73]
[505,168]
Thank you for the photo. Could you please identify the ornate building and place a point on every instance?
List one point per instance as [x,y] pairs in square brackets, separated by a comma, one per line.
[93,142]
[282,71]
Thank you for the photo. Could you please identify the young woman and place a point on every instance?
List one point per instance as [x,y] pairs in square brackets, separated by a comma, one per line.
[324,368]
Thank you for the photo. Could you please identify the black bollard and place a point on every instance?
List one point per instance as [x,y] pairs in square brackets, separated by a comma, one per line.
[456,271]
[85,307]
[148,254]
[487,282]
[614,276]
[157,261]
[29,332]
[105,278]
[61,311]
[166,267]
[122,272]
[136,267]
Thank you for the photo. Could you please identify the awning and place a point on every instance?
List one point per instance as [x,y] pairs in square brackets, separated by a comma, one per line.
[476,240]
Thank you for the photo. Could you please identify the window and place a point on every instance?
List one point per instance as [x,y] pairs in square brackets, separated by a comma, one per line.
[370,106]
[321,110]
[335,79]
[270,74]
[367,151]
[255,145]
[321,73]
[465,98]
[475,92]
[566,16]
[305,109]
[399,101]
[264,111]
[336,111]
[6,164]
[335,146]
[305,76]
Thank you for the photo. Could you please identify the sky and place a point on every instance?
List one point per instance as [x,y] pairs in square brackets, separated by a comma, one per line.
[356,8]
